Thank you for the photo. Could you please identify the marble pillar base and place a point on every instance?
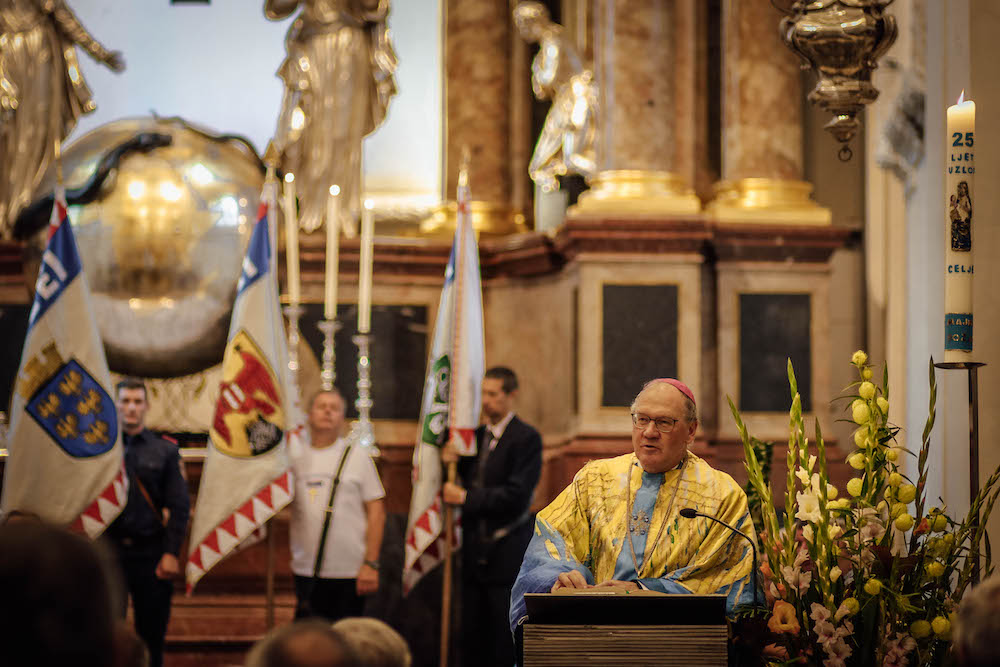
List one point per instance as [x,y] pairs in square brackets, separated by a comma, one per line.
[635,193]
[488,219]
[766,200]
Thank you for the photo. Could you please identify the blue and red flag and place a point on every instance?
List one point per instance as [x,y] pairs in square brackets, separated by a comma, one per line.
[65,460]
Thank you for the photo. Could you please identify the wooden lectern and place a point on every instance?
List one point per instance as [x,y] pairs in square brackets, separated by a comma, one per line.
[617,628]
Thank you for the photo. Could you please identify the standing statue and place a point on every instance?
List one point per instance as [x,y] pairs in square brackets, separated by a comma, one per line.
[338,78]
[42,93]
[566,144]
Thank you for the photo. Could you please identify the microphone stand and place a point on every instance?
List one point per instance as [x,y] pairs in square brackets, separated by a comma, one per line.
[690,513]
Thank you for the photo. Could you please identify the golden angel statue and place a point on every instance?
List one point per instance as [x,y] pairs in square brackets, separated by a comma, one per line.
[42,92]
[338,76]
[566,144]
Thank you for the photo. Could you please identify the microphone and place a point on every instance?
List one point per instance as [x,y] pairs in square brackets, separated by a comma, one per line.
[690,513]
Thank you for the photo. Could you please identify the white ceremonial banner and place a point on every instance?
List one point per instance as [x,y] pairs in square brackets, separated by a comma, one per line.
[65,459]
[452,395]
[246,477]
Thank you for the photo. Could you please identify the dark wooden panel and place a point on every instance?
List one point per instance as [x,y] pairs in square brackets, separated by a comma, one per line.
[398,356]
[639,339]
[13,327]
[773,329]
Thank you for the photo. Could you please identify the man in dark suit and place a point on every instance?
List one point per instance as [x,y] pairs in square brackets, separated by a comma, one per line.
[495,496]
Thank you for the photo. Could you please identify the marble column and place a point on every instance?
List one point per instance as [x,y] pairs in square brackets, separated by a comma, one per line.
[634,68]
[762,123]
[477,61]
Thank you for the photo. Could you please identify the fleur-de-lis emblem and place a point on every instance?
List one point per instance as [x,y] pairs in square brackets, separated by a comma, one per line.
[97,433]
[91,403]
[49,407]
[67,426]
[70,384]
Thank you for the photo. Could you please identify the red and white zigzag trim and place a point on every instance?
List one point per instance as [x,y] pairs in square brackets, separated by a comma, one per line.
[226,536]
[424,547]
[104,509]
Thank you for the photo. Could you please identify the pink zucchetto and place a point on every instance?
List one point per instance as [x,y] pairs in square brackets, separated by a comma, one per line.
[680,386]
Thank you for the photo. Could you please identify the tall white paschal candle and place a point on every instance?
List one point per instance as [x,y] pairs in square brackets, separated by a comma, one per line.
[292,241]
[959,198]
[367,264]
[332,253]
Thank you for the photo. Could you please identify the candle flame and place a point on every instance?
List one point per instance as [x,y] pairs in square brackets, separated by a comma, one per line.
[334,190]
[289,177]
[961,98]
[369,204]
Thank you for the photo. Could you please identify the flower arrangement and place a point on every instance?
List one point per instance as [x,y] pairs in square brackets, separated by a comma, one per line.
[870,577]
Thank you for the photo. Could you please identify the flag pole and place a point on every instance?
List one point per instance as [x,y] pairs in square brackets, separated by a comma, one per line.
[446,584]
[269,595]
[461,217]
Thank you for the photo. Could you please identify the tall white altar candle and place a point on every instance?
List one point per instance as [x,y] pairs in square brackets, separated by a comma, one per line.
[332,253]
[959,197]
[292,241]
[367,264]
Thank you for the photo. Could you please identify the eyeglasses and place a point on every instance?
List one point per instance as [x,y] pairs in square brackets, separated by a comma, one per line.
[663,424]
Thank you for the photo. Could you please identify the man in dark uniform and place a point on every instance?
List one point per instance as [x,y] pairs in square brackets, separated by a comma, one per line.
[149,531]
[495,496]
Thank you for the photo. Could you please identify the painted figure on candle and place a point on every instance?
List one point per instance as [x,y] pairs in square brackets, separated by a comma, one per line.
[338,77]
[960,213]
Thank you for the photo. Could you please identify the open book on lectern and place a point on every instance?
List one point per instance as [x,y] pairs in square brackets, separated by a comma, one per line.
[621,608]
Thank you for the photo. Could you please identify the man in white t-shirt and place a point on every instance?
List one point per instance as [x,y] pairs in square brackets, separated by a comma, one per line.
[349,567]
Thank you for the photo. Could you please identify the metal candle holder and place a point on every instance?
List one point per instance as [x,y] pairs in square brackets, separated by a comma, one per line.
[362,431]
[328,372]
[293,313]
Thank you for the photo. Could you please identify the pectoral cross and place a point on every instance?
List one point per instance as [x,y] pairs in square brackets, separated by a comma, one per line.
[639,522]
[312,494]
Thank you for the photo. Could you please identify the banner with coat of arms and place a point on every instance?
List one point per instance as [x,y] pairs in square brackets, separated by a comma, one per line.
[452,390]
[246,477]
[65,452]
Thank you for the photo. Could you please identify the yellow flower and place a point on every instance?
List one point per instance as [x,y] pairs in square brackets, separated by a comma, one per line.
[860,413]
[904,522]
[892,454]
[842,504]
[895,479]
[906,493]
[860,435]
[873,587]
[859,358]
[940,523]
[934,569]
[783,619]
[866,390]
[831,492]
[854,486]
[920,629]
[883,405]
[941,627]
[835,573]
[866,373]
[897,510]
[857,461]
[852,606]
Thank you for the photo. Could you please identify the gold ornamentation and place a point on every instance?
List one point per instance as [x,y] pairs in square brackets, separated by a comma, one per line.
[566,144]
[766,201]
[37,370]
[488,219]
[635,192]
[338,77]
[42,93]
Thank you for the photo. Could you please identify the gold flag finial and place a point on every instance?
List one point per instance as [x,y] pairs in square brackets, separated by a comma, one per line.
[58,160]
[463,167]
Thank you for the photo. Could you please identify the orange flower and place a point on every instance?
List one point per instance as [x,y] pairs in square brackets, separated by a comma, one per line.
[922,528]
[783,619]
